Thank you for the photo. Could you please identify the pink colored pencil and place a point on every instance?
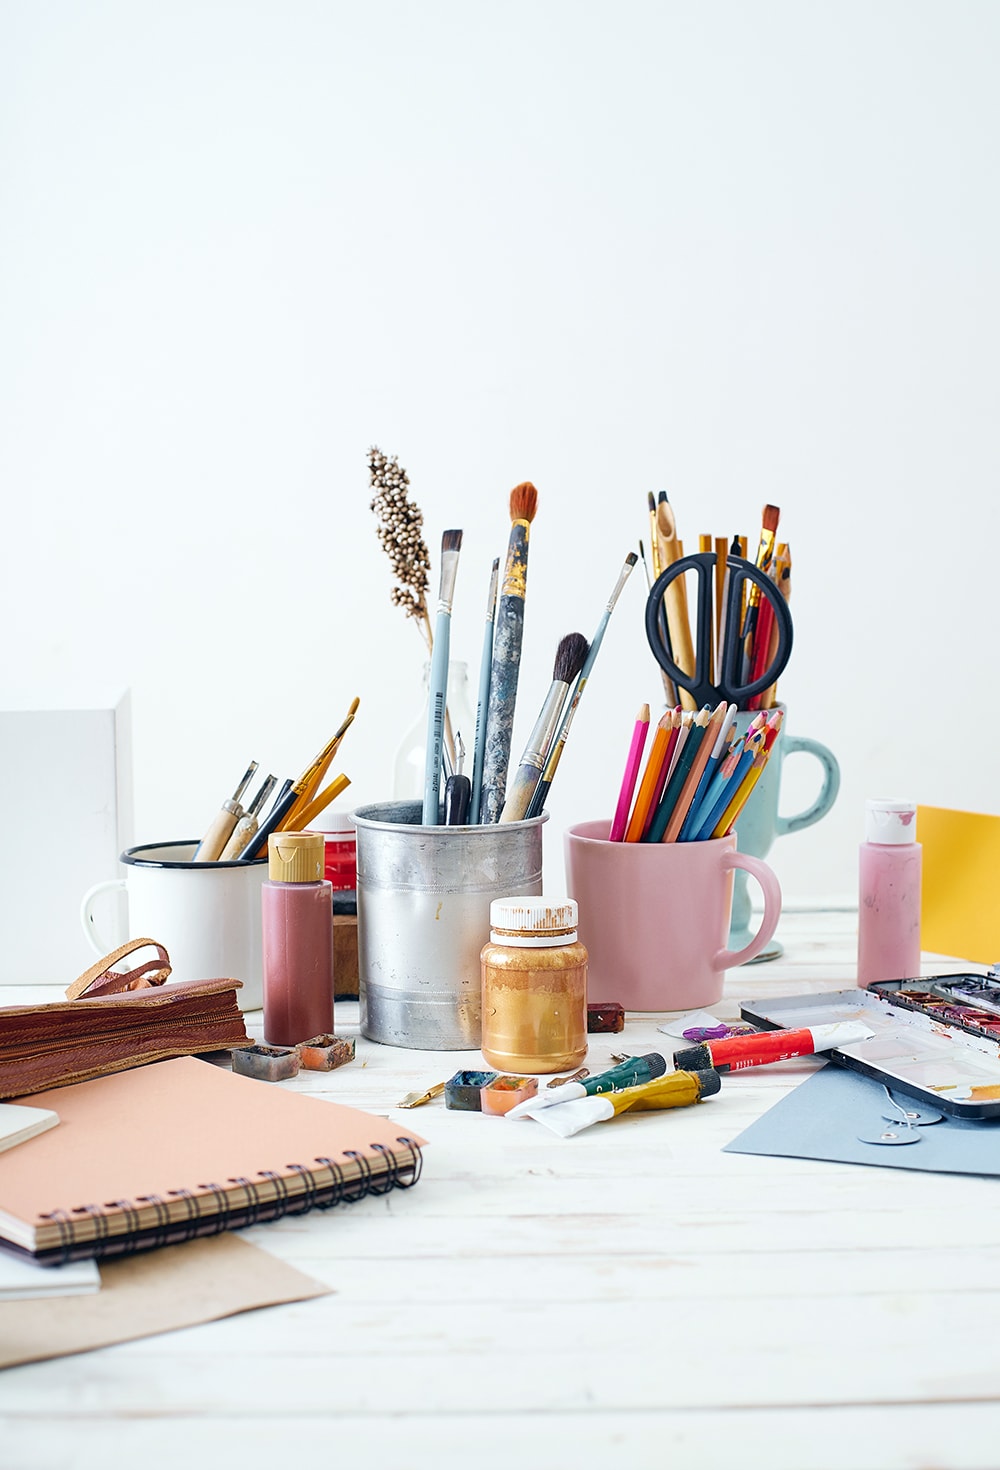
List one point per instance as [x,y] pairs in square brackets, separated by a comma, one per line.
[631,774]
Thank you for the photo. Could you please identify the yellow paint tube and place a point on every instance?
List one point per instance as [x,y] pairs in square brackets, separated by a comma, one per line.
[676,1090]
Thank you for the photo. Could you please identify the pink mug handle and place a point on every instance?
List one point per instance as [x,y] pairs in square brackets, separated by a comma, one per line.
[727,958]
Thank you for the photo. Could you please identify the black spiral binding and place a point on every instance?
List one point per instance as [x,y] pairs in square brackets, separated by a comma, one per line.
[323,1189]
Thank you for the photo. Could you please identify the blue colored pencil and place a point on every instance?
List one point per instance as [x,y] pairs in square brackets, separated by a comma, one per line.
[714,761]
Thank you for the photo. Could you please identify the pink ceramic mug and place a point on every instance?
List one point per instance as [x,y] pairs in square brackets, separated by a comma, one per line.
[655,916]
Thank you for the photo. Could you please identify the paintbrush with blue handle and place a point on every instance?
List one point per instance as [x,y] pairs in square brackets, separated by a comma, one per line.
[507,634]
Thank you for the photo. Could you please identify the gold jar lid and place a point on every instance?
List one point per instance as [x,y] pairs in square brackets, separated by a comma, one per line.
[295,857]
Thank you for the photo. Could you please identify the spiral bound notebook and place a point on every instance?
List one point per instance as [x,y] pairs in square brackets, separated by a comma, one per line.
[182,1148]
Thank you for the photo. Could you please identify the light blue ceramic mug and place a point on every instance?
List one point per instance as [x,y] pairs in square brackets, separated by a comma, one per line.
[759,823]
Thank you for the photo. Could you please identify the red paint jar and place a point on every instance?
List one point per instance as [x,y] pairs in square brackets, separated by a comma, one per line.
[340,864]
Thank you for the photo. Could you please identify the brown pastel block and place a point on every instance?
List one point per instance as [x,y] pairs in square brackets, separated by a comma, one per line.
[504,1093]
[323,1053]
[266,1063]
[608,1016]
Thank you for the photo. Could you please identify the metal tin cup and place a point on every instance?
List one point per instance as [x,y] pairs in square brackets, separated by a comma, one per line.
[424,897]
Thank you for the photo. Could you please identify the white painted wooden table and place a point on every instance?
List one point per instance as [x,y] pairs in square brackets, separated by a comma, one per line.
[632,1296]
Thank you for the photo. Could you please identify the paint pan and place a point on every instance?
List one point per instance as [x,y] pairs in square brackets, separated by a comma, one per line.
[504,1093]
[463,1091]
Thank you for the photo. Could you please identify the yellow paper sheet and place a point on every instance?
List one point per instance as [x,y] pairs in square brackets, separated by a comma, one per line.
[154,1291]
[959,912]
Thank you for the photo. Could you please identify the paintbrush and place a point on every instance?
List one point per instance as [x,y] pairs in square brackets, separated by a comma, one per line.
[505,666]
[479,744]
[669,692]
[551,765]
[570,654]
[765,553]
[675,598]
[306,787]
[451,545]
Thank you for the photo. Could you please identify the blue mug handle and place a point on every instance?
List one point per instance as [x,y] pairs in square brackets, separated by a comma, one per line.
[828,793]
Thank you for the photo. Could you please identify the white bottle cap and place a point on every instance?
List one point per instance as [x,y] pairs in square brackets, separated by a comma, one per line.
[540,921]
[889,822]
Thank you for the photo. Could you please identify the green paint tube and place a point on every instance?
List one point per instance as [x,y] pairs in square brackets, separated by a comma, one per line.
[630,1073]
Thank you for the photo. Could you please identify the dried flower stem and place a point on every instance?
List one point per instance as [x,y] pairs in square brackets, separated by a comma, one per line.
[401,537]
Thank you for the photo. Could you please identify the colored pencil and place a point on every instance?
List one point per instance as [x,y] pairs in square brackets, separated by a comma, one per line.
[632,764]
[479,744]
[674,786]
[552,764]
[743,792]
[716,755]
[734,770]
[706,745]
[653,776]
[451,545]
[505,667]
[570,654]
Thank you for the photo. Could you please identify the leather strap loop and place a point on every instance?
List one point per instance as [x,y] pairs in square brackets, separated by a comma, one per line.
[103,979]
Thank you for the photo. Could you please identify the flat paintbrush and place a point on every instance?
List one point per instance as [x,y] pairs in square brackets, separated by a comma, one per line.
[479,744]
[570,654]
[451,544]
[505,666]
[542,789]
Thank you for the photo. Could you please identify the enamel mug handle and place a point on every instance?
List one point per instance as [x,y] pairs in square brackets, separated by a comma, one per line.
[828,793]
[98,945]
[727,958]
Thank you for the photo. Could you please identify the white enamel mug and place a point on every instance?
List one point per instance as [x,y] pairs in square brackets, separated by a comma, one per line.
[207,915]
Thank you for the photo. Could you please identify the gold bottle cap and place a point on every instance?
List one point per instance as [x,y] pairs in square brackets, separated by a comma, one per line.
[295,857]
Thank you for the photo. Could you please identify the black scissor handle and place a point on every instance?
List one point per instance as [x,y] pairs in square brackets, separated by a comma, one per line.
[727,685]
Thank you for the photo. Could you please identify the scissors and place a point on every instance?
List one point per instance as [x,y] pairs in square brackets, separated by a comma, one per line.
[729,683]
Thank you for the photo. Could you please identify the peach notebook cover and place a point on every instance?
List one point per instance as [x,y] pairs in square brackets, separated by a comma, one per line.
[183,1125]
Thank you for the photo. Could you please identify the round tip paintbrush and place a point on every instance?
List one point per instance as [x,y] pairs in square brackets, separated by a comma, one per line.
[570,654]
[507,634]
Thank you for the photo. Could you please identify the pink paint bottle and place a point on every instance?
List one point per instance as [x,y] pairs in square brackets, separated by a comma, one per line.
[297,911]
[889,896]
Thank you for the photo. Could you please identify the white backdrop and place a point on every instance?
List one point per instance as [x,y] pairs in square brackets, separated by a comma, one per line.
[742,252]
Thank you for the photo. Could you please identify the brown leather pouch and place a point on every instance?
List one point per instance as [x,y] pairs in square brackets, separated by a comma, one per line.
[112,1020]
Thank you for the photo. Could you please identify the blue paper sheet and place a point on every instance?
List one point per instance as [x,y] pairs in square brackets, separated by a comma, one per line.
[822,1118]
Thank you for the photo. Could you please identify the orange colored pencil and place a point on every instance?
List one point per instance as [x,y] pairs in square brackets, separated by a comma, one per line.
[653,776]
[698,765]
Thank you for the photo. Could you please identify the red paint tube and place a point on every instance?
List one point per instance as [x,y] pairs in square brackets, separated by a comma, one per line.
[732,1053]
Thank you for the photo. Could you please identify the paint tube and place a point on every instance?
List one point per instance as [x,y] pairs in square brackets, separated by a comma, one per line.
[629,1073]
[733,1053]
[676,1090]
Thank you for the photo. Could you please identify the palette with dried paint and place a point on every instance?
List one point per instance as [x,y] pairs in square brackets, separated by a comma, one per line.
[935,1039]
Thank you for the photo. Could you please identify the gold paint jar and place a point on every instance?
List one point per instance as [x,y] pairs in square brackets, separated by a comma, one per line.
[534,986]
